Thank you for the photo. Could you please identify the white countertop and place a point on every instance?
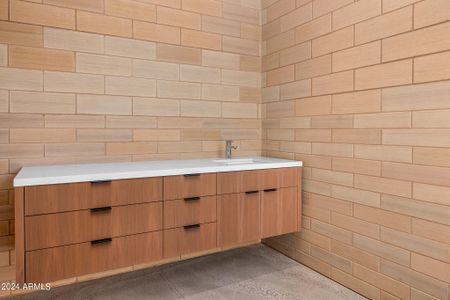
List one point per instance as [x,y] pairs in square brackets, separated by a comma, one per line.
[40,175]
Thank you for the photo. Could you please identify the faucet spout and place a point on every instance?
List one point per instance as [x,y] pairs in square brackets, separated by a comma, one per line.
[228,149]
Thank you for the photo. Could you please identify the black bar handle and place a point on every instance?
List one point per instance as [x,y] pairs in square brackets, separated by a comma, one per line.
[191,226]
[251,192]
[191,198]
[101,241]
[270,190]
[192,175]
[100,209]
[100,181]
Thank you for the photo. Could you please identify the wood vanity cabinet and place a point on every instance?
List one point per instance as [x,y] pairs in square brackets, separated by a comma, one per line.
[74,229]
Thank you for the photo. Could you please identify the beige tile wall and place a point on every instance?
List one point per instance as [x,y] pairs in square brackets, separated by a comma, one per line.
[360,91]
[123,80]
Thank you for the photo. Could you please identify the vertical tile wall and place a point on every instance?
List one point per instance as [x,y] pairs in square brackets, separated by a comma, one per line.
[360,91]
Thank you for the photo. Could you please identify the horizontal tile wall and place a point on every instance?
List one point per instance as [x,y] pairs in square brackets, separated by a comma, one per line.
[123,80]
[360,91]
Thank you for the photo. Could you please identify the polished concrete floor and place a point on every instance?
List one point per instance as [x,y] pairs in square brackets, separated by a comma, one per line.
[255,272]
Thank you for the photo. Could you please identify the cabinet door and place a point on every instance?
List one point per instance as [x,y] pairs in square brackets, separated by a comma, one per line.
[250,217]
[238,218]
[278,211]
[227,219]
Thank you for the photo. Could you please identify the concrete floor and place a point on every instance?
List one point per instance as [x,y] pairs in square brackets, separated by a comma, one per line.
[255,272]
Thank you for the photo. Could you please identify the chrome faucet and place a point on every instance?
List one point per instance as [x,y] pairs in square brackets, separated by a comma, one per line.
[228,148]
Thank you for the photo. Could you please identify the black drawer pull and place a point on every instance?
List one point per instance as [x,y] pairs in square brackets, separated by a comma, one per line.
[101,181]
[270,190]
[101,241]
[192,175]
[251,192]
[191,198]
[101,209]
[191,226]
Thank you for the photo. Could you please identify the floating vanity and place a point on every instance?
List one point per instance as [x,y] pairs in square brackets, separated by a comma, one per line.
[77,220]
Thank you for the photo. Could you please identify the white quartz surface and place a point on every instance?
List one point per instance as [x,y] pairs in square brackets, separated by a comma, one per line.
[40,175]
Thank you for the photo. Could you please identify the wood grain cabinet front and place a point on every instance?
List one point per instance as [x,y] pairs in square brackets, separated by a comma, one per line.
[44,199]
[190,210]
[238,182]
[189,239]
[139,190]
[55,198]
[278,178]
[53,230]
[189,185]
[238,218]
[242,181]
[279,211]
[96,256]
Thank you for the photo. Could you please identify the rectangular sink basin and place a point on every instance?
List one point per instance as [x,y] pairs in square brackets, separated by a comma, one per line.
[236,161]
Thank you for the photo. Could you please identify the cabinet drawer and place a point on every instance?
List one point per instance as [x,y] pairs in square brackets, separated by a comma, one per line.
[76,196]
[79,259]
[53,230]
[185,240]
[189,185]
[44,199]
[139,190]
[238,182]
[279,211]
[278,178]
[178,213]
